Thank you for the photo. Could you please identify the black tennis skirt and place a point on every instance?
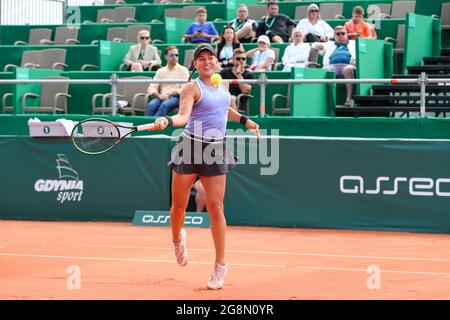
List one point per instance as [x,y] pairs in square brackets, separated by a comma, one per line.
[200,155]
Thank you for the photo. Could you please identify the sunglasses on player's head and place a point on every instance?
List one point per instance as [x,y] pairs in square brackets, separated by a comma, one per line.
[145,38]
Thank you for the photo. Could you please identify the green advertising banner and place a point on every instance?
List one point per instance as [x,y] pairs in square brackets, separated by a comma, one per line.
[47,178]
[307,182]
[343,183]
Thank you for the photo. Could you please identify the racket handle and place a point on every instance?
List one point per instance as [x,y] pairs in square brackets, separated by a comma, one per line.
[145,127]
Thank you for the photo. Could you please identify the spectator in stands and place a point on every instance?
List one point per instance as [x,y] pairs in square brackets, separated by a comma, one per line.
[167,95]
[357,28]
[244,27]
[313,27]
[238,71]
[297,53]
[201,31]
[275,25]
[142,56]
[263,56]
[340,57]
[227,44]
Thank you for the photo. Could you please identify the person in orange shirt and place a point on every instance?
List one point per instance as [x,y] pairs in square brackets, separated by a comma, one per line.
[357,27]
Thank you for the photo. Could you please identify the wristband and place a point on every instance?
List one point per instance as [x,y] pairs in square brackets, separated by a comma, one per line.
[170,121]
[243,119]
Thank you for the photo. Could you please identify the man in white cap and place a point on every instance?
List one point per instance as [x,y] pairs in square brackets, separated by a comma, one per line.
[263,56]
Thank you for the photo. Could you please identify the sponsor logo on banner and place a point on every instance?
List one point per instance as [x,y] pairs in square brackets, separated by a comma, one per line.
[416,186]
[68,187]
[164,219]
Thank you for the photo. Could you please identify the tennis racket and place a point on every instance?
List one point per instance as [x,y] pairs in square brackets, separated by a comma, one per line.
[96,136]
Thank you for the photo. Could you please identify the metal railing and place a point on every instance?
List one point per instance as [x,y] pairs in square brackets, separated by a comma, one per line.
[114,81]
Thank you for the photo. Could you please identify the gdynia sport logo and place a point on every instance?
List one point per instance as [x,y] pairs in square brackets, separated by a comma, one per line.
[68,187]
[415,186]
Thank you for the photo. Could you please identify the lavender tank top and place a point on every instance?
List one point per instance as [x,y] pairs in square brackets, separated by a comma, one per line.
[210,114]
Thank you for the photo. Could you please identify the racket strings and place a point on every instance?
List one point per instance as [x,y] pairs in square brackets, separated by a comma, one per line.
[95,136]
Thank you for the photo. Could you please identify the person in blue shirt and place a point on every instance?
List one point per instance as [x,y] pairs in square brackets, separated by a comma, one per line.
[201,31]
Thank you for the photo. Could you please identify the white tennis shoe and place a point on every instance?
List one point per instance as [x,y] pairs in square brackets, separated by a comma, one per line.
[217,278]
[180,249]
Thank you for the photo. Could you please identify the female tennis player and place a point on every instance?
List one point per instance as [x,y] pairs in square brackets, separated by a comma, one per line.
[205,108]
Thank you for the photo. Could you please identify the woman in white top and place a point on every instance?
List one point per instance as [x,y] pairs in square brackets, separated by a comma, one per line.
[297,53]
[263,57]
[315,29]
[142,56]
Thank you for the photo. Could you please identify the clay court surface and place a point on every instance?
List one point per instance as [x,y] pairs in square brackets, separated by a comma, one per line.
[120,261]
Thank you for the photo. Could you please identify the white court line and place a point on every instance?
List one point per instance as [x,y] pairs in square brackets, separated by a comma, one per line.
[282,253]
[381,270]
[24,255]
[201,262]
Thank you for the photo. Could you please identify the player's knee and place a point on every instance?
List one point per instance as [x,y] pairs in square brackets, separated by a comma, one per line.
[215,210]
[177,209]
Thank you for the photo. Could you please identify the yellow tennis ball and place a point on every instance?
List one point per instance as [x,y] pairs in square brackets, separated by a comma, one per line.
[216,78]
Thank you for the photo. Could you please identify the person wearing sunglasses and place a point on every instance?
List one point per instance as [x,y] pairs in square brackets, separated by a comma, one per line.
[244,27]
[238,71]
[142,56]
[313,27]
[339,56]
[166,96]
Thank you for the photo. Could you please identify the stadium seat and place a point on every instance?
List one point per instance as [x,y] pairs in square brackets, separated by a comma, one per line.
[124,15]
[37,36]
[400,9]
[134,94]
[30,59]
[300,12]
[188,58]
[103,16]
[445,16]
[257,12]
[331,11]
[378,11]
[53,59]
[53,98]
[63,36]
[174,12]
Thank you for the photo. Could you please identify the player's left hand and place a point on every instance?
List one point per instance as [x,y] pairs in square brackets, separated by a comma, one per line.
[253,126]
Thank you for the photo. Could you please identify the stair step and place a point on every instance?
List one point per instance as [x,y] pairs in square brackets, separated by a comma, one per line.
[386,89]
[436,60]
[437,69]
